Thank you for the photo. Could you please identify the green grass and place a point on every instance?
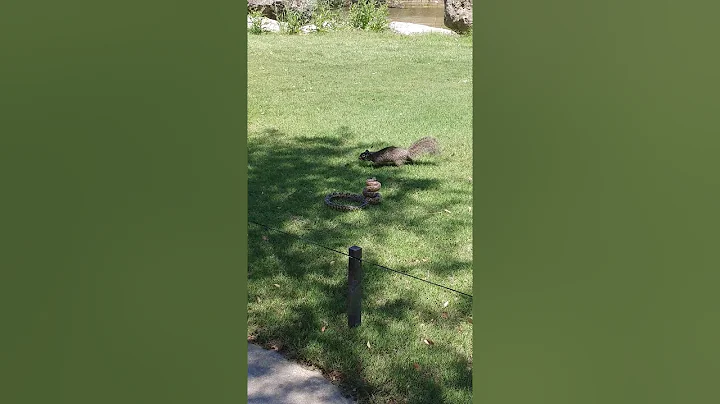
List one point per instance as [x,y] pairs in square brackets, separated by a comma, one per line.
[315,102]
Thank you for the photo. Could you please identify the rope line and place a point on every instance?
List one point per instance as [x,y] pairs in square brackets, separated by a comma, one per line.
[359,259]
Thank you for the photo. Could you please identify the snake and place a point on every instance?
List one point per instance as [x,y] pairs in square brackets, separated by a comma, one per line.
[369,196]
[329,201]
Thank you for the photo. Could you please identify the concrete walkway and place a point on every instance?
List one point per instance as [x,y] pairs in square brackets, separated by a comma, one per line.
[272,379]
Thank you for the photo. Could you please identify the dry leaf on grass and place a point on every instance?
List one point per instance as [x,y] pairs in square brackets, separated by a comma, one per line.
[335,375]
[265,238]
[444,314]
[417,366]
[470,321]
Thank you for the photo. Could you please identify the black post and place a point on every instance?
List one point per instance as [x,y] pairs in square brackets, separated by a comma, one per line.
[354,286]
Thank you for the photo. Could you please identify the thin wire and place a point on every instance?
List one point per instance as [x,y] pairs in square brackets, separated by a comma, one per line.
[359,259]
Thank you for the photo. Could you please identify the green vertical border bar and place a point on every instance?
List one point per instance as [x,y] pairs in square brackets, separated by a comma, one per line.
[596,207]
[477,248]
[244,203]
[123,259]
[244,206]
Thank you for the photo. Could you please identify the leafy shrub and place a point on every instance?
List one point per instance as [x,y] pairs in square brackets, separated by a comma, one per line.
[293,20]
[326,16]
[369,14]
[334,4]
[256,20]
[380,20]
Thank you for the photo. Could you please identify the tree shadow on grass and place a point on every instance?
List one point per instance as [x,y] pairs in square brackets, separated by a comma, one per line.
[287,181]
[305,169]
[421,378]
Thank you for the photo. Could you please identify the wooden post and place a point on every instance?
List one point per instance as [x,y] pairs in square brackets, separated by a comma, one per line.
[354,286]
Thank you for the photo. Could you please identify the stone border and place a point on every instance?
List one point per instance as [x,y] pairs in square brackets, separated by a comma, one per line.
[403,28]
[409,28]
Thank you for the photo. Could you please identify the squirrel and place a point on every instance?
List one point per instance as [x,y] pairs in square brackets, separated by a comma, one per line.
[398,156]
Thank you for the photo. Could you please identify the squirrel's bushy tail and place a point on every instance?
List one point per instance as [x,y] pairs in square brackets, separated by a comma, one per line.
[427,144]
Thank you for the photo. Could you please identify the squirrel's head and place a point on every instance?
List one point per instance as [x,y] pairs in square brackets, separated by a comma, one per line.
[364,155]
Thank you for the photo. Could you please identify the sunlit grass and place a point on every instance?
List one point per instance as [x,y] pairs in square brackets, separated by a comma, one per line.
[315,103]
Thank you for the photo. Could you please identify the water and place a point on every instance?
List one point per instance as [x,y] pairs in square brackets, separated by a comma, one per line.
[430,15]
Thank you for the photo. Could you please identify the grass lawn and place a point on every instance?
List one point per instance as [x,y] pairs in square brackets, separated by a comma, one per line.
[315,102]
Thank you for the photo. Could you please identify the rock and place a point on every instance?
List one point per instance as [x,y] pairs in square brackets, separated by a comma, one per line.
[268,8]
[275,8]
[266,24]
[306,7]
[458,15]
[306,29]
[408,28]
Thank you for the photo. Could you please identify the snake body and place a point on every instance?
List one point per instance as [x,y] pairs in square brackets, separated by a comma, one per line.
[370,191]
[369,196]
[345,195]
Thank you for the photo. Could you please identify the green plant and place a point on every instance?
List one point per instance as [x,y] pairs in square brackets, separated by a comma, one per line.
[293,20]
[256,21]
[326,15]
[369,14]
[379,21]
[335,4]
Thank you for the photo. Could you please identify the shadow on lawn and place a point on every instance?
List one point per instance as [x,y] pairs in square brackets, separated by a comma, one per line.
[302,170]
[296,175]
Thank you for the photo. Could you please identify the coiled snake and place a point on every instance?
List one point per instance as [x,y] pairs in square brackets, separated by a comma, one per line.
[369,196]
